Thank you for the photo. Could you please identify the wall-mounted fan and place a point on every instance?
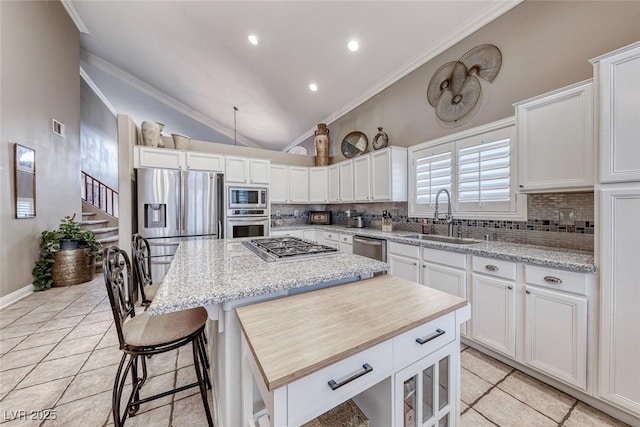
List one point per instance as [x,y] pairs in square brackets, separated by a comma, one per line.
[455,90]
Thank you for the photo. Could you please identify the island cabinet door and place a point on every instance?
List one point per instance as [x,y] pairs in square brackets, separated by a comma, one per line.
[426,393]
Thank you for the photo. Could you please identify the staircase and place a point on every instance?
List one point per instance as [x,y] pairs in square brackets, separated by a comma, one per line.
[103,225]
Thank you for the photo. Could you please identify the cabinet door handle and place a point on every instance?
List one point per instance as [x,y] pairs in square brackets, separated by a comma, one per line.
[527,292]
[509,287]
[430,337]
[491,267]
[415,263]
[552,279]
[366,369]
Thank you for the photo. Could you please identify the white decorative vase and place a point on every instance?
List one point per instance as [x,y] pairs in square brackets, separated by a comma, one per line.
[160,140]
[180,142]
[151,133]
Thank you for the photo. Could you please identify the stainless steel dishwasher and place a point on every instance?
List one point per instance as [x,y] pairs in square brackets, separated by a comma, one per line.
[370,247]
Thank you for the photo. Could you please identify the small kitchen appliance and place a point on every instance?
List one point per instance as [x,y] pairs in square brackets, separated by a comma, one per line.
[320,217]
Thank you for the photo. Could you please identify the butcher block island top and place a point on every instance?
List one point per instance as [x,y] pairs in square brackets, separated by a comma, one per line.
[298,335]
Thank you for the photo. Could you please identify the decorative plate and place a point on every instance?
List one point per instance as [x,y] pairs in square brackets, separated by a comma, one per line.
[354,144]
[298,150]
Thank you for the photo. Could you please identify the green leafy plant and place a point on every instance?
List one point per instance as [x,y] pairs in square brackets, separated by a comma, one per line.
[50,243]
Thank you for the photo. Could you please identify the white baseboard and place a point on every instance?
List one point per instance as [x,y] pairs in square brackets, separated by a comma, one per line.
[15,296]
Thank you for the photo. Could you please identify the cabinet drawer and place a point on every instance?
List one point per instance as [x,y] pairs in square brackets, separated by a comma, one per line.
[435,334]
[451,259]
[346,239]
[311,395]
[404,250]
[332,236]
[494,267]
[567,281]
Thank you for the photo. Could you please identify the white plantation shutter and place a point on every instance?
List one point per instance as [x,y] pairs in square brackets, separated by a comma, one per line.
[433,172]
[483,172]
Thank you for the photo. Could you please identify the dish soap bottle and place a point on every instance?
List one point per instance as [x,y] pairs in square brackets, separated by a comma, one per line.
[425,226]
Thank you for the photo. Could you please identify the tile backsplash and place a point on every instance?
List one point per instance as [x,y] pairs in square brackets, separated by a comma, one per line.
[558,220]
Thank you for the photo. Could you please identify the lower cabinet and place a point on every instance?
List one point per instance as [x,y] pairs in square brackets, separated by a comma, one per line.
[425,390]
[290,233]
[556,334]
[312,235]
[493,313]
[404,261]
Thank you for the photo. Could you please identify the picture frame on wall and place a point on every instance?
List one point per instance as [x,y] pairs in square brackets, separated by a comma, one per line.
[25,182]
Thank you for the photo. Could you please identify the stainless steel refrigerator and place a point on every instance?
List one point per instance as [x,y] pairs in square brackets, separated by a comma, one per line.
[175,205]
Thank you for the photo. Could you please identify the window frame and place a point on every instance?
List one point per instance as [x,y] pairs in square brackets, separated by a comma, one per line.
[517,209]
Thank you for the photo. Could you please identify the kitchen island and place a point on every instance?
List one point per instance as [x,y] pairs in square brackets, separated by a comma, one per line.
[390,344]
[222,275]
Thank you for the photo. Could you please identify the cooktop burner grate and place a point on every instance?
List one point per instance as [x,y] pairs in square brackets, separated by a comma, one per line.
[277,248]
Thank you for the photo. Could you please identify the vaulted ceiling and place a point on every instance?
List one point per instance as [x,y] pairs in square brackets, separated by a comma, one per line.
[196,56]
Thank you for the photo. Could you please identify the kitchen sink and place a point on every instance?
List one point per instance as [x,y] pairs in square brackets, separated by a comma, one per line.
[444,239]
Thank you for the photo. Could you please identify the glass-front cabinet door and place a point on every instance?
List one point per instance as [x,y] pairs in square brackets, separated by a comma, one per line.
[425,392]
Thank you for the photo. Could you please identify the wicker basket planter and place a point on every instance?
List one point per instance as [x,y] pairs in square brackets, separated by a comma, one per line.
[72,267]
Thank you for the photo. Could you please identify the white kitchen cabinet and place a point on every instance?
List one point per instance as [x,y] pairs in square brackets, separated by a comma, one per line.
[362,179]
[556,334]
[618,113]
[404,261]
[147,157]
[425,392]
[389,174]
[290,233]
[241,170]
[555,140]
[298,184]
[619,296]
[346,243]
[493,314]
[346,181]
[312,235]
[334,183]
[205,162]
[318,185]
[279,186]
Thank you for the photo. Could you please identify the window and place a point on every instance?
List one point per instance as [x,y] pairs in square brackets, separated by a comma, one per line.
[476,166]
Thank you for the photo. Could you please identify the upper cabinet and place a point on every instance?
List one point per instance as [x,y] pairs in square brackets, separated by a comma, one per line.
[618,113]
[389,174]
[361,179]
[319,185]
[165,158]
[333,189]
[346,181]
[289,184]
[556,140]
[247,171]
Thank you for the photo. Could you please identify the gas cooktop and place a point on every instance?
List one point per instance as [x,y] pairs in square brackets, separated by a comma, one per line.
[280,248]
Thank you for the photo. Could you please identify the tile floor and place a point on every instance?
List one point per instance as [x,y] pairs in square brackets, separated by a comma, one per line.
[59,354]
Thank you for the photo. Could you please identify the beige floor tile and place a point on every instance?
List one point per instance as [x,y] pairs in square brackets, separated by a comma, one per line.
[155,385]
[19,358]
[109,339]
[186,375]
[185,356]
[103,306]
[101,316]
[90,383]
[74,311]
[90,411]
[584,415]
[34,318]
[189,412]
[49,307]
[472,418]
[87,330]
[484,366]
[9,379]
[103,357]
[54,369]
[18,331]
[158,417]
[12,311]
[54,324]
[25,302]
[546,399]
[71,347]
[162,363]
[44,338]
[9,344]
[472,386]
[507,411]
[463,406]
[38,397]
[463,347]
[5,322]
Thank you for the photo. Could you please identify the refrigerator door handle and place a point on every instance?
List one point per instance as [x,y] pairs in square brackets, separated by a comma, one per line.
[219,229]
[181,214]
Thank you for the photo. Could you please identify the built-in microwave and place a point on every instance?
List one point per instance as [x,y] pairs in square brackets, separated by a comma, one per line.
[247,198]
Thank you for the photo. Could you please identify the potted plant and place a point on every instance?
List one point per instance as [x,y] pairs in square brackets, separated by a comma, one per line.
[68,236]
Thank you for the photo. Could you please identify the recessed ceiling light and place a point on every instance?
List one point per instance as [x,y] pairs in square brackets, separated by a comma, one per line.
[353,45]
[313,87]
[253,39]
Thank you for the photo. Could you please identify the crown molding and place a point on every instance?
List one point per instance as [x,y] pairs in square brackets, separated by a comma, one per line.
[97,91]
[75,16]
[466,29]
[147,89]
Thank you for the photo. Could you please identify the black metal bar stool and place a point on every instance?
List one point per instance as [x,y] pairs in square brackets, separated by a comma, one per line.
[143,335]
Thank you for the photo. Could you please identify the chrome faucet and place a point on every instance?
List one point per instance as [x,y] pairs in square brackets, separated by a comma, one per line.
[449,218]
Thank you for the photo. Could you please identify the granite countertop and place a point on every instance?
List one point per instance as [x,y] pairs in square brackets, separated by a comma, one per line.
[530,254]
[210,271]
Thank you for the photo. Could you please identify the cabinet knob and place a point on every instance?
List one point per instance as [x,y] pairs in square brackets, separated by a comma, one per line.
[521,186]
[527,292]
[415,263]
[424,265]
[509,287]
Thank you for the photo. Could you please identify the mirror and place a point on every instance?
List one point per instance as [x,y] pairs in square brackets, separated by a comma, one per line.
[25,181]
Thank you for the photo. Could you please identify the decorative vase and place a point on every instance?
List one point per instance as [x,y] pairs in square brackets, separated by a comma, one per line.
[72,267]
[151,133]
[160,140]
[321,141]
[180,142]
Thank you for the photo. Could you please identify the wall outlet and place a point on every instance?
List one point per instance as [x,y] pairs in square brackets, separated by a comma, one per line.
[277,212]
[295,213]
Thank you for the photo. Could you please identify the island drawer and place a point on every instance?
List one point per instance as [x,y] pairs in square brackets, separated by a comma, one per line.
[561,280]
[312,395]
[423,340]
[494,267]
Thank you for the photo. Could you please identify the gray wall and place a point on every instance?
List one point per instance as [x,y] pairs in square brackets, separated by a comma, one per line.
[40,80]
[98,138]
[545,45]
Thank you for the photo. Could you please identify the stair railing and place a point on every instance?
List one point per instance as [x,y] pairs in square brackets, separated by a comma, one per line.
[100,195]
